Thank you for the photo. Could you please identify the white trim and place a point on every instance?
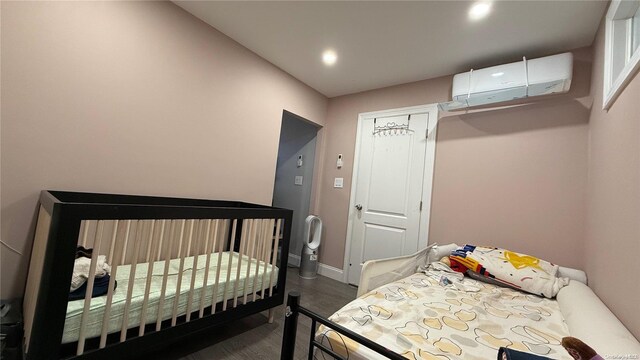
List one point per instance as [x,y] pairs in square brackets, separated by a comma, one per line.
[429,169]
[618,10]
[323,269]
[623,79]
[352,200]
[331,272]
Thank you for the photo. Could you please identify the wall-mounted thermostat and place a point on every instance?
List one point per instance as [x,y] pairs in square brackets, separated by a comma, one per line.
[339,162]
[299,163]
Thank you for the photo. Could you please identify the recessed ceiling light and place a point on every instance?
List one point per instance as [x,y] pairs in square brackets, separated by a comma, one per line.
[479,10]
[329,57]
[498,74]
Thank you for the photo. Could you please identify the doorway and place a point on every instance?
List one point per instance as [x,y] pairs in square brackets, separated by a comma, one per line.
[294,175]
[392,180]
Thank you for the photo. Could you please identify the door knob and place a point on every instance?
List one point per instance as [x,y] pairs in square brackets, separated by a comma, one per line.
[359,207]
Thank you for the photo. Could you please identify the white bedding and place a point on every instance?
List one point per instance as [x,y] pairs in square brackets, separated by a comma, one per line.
[421,319]
[591,321]
[97,309]
[579,306]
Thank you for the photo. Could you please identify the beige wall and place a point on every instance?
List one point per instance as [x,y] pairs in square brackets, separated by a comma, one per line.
[132,97]
[144,98]
[512,177]
[613,197]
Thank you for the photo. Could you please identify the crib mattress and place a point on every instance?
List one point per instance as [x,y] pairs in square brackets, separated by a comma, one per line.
[95,318]
[420,319]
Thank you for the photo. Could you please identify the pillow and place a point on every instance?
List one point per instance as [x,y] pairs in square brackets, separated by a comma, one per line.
[519,271]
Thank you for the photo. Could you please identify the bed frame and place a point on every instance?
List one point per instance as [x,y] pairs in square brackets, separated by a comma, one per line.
[292,312]
[132,230]
[576,300]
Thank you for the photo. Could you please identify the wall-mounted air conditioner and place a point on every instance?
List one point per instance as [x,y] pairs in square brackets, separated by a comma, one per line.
[526,78]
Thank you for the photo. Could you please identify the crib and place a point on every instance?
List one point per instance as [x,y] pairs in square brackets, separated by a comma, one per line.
[177,266]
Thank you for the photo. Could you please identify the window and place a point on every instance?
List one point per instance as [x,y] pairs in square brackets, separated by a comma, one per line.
[622,47]
[636,31]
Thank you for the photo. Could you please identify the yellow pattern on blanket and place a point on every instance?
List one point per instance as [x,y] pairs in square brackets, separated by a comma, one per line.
[420,319]
[520,261]
[520,271]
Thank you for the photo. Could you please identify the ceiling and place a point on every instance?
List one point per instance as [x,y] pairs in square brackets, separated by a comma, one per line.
[384,43]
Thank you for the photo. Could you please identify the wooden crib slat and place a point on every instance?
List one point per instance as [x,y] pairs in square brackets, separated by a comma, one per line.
[246,228]
[151,248]
[245,240]
[126,243]
[85,232]
[261,259]
[266,254]
[176,298]
[113,242]
[250,255]
[208,248]
[256,258]
[258,255]
[149,240]
[188,253]
[242,251]
[226,284]
[274,256]
[214,298]
[97,241]
[36,266]
[118,249]
[159,255]
[132,277]
[269,250]
[197,245]
[167,259]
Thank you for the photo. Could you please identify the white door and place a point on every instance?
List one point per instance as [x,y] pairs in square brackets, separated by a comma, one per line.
[388,188]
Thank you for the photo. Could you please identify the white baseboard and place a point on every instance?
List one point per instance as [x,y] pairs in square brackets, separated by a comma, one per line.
[323,269]
[331,272]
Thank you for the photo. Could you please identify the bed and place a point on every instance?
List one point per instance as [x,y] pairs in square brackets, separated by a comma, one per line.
[401,313]
[176,267]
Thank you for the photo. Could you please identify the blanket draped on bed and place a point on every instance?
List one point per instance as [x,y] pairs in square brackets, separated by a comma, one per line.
[421,319]
[519,271]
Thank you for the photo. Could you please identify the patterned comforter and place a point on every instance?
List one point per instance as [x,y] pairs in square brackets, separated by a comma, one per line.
[420,319]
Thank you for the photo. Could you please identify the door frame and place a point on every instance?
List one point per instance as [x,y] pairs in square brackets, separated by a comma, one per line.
[427,180]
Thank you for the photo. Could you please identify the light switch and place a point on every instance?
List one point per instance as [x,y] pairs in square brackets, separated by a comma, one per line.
[338,182]
[298,180]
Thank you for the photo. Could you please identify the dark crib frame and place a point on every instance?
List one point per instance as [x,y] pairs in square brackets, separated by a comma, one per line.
[68,209]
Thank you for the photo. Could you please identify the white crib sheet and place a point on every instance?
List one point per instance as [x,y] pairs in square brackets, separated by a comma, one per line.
[97,308]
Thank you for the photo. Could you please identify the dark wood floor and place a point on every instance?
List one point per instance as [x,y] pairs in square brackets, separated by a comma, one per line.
[253,338]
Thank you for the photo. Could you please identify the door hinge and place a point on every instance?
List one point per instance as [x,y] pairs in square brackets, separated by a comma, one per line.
[420,205]
[426,134]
